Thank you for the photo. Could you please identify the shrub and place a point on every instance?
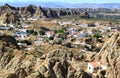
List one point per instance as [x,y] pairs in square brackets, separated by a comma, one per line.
[86,47]
[30,31]
[60,31]
[26,41]
[97,35]
[35,33]
[44,28]
[62,36]
[97,49]
[73,39]
[95,31]
[59,42]
[55,31]
[51,38]
[79,29]
[66,33]
[68,45]
[42,32]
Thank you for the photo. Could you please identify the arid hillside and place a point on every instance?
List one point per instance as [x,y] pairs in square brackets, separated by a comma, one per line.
[58,62]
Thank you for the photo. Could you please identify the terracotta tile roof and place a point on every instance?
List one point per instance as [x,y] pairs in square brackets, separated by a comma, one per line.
[76,33]
[49,32]
[95,64]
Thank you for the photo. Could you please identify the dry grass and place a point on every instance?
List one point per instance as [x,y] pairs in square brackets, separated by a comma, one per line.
[48,48]
[48,24]
[91,21]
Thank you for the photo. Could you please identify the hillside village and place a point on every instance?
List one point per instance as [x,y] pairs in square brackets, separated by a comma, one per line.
[72,34]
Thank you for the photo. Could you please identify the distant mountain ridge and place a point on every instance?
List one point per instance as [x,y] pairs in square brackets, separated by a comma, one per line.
[67,5]
[10,14]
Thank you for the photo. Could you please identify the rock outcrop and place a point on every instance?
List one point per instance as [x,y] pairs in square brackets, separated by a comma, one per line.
[110,56]
[8,41]
[57,64]
[11,18]
[6,8]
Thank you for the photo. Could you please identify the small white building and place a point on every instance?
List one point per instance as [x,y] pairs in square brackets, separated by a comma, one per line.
[65,23]
[2,27]
[89,32]
[83,25]
[20,35]
[33,18]
[38,41]
[94,67]
[49,34]
[22,44]
[79,34]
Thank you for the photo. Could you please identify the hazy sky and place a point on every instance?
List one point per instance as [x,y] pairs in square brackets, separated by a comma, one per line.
[68,1]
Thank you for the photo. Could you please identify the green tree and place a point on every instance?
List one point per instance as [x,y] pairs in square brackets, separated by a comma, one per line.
[86,47]
[42,32]
[35,33]
[97,35]
[30,31]
[51,38]
[60,31]
[97,49]
[26,41]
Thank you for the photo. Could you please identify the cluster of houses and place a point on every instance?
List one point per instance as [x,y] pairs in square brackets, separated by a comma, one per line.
[104,27]
[6,27]
[70,26]
[20,34]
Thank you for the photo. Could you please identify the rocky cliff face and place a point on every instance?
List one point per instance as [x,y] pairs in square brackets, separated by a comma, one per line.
[56,64]
[7,41]
[33,11]
[11,18]
[6,8]
[110,56]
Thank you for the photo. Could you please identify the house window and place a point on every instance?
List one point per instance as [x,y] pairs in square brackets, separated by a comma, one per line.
[100,67]
[97,67]
[89,68]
